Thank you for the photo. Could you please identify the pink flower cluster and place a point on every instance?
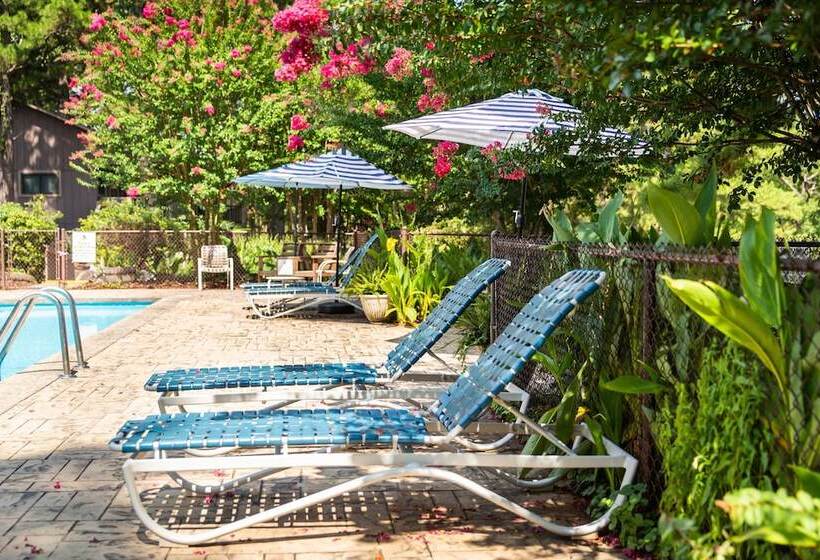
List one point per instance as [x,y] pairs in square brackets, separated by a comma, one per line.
[443,152]
[349,61]
[298,122]
[196,170]
[307,19]
[482,57]
[111,122]
[150,10]
[490,151]
[515,174]
[98,21]
[209,109]
[430,100]
[132,192]
[399,66]
[295,142]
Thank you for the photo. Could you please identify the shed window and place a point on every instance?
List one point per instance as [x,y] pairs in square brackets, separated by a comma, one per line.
[39,183]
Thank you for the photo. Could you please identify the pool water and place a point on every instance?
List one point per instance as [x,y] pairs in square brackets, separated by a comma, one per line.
[40,336]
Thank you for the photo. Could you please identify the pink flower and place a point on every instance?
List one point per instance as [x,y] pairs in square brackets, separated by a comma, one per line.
[543,109]
[398,67]
[98,153]
[430,45]
[423,103]
[183,24]
[149,10]
[235,53]
[380,110]
[219,66]
[482,57]
[438,101]
[170,20]
[73,81]
[514,175]
[285,73]
[426,72]
[196,170]
[298,122]
[445,149]
[295,142]
[111,122]
[168,11]
[98,21]
[490,151]
[236,73]
[305,17]
[410,207]
[442,167]
[208,108]
[132,192]
[246,49]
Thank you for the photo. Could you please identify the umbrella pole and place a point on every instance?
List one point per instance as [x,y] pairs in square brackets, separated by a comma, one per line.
[338,232]
[519,215]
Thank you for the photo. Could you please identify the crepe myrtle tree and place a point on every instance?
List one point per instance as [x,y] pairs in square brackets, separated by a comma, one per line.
[180,99]
[692,80]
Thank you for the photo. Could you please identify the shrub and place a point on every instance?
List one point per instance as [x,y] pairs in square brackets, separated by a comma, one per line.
[128,215]
[251,247]
[34,225]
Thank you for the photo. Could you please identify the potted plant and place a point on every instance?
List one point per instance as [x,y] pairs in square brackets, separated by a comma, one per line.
[368,285]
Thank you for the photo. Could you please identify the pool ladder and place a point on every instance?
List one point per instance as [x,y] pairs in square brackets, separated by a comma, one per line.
[23,308]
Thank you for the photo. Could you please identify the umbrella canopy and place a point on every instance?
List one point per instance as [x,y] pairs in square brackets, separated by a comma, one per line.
[332,170]
[509,119]
[337,170]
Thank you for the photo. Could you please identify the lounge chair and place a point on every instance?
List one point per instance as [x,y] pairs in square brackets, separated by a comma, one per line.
[271,300]
[177,385]
[429,444]
[348,267]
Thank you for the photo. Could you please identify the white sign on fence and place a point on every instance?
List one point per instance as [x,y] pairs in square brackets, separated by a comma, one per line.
[83,246]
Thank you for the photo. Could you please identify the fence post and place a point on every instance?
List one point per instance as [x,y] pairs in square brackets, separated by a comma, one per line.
[493,293]
[3,257]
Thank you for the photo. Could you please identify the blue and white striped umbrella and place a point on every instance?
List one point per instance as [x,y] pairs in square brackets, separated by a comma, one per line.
[339,169]
[509,119]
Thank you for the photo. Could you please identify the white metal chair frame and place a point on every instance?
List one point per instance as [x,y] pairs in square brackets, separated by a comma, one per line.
[214,259]
[400,461]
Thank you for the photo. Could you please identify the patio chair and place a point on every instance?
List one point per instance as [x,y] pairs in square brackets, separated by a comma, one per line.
[214,259]
[271,300]
[429,444]
[184,387]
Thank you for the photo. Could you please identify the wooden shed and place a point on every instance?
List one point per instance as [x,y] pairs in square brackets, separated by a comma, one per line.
[42,143]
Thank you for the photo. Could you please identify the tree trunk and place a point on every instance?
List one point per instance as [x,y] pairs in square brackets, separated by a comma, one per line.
[6,173]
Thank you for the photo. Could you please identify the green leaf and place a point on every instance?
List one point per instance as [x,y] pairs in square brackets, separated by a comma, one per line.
[608,218]
[807,480]
[633,385]
[734,318]
[706,204]
[561,227]
[760,271]
[588,233]
[677,218]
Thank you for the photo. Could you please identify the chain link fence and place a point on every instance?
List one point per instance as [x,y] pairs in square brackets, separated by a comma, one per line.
[156,258]
[634,322]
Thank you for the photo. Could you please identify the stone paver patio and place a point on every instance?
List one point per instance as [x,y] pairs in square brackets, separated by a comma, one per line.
[61,490]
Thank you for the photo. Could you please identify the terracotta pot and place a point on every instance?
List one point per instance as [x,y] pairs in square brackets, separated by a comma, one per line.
[375,307]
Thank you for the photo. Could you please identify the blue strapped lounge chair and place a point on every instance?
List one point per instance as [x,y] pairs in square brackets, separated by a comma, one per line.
[276,299]
[324,376]
[418,444]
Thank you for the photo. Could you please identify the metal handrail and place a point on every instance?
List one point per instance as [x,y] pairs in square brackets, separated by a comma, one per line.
[22,309]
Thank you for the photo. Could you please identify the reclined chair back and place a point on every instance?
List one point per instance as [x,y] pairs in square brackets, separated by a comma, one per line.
[464,399]
[417,343]
[348,270]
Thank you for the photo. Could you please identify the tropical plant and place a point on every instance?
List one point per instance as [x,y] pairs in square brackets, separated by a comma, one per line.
[790,352]
[368,280]
[687,224]
[606,229]
[170,264]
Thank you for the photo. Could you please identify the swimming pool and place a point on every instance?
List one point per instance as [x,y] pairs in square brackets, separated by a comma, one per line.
[40,335]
